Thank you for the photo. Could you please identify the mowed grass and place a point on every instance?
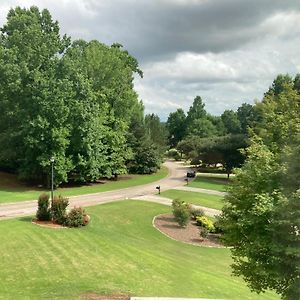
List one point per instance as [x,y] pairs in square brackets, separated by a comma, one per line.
[119,251]
[217,182]
[12,190]
[196,198]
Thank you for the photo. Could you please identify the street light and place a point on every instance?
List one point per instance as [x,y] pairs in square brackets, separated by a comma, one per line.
[52,160]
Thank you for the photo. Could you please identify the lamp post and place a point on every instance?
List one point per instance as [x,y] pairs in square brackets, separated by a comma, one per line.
[52,160]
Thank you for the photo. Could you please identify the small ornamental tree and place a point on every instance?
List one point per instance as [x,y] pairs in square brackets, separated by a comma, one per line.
[181,212]
[58,209]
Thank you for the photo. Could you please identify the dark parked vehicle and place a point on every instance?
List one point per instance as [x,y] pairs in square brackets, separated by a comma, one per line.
[191,174]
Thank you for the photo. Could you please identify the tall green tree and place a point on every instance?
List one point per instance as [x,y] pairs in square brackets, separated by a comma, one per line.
[231,122]
[33,126]
[156,130]
[261,217]
[176,125]
[248,115]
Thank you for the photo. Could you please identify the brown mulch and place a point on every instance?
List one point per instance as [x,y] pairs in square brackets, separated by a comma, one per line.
[48,224]
[189,234]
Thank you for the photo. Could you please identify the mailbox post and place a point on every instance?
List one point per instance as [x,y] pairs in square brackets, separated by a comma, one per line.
[158,188]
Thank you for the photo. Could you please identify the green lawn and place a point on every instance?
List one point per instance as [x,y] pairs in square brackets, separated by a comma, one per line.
[11,190]
[216,182]
[202,199]
[118,251]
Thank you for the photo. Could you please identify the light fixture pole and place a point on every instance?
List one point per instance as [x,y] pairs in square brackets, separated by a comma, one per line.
[52,160]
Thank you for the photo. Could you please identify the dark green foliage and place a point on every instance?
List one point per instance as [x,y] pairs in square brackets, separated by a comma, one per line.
[231,122]
[58,209]
[205,223]
[173,153]
[181,212]
[218,225]
[262,211]
[147,158]
[203,232]
[157,131]
[176,125]
[73,101]
[248,116]
[43,212]
[210,151]
[76,217]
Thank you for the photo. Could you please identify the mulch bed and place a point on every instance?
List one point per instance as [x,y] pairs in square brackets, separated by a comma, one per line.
[190,234]
[48,224]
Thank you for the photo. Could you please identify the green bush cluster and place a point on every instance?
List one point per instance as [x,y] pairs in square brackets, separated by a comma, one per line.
[181,212]
[59,209]
[77,217]
[58,212]
[43,212]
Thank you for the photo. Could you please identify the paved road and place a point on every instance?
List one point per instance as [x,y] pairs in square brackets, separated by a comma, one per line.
[175,178]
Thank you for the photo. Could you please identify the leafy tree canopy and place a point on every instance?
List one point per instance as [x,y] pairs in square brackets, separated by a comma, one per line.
[261,217]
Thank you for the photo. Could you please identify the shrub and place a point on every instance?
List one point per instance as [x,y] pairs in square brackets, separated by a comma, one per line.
[76,217]
[181,212]
[218,226]
[43,211]
[58,209]
[203,233]
[173,153]
[196,212]
[205,223]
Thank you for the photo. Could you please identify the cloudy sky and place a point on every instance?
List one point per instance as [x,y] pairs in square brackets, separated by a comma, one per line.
[226,51]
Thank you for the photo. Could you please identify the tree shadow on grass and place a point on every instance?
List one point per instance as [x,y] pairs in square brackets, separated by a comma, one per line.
[26,219]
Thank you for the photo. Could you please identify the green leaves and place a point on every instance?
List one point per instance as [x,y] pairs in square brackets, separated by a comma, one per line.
[73,102]
[261,215]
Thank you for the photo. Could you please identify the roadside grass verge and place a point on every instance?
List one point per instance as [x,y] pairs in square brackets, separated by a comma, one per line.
[212,201]
[12,190]
[217,182]
[119,251]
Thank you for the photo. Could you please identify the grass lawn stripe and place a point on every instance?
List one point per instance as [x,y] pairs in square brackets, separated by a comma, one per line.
[202,199]
[217,182]
[126,254]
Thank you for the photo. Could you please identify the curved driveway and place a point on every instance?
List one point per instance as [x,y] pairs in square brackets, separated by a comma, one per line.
[175,178]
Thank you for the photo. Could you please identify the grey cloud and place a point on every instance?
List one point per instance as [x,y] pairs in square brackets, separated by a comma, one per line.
[162,28]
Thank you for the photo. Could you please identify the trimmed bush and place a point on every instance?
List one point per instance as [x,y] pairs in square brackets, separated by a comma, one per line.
[43,212]
[203,233]
[181,212]
[218,226]
[58,209]
[76,217]
[196,212]
[205,223]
